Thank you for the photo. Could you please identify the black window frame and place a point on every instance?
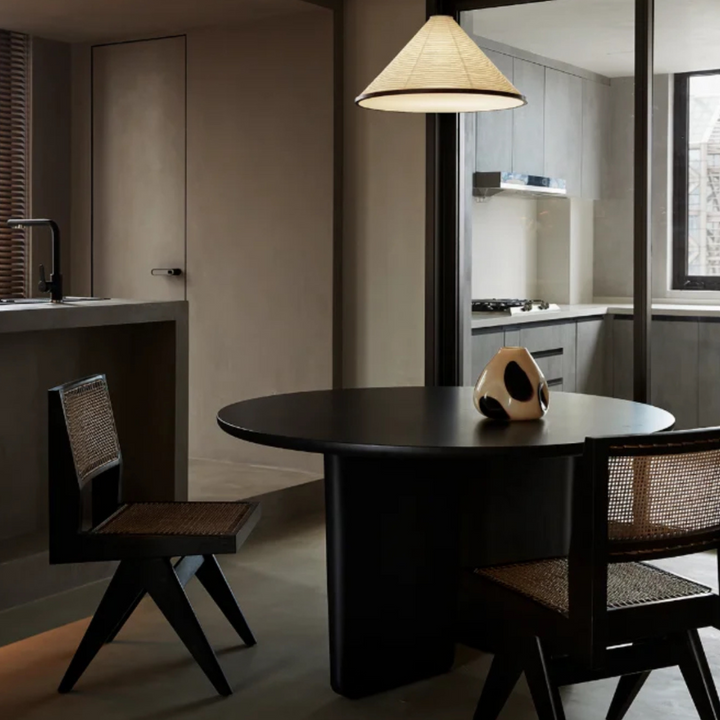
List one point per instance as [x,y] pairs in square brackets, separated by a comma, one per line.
[681,279]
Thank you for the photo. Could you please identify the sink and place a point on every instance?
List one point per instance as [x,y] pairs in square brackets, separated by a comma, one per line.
[46,301]
[74,299]
[24,301]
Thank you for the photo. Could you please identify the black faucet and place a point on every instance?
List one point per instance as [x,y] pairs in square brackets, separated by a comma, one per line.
[54,286]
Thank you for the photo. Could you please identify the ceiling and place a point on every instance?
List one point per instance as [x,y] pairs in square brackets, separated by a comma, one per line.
[103,20]
[598,35]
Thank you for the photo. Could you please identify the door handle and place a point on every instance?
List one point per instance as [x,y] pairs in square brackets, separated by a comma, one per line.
[166,271]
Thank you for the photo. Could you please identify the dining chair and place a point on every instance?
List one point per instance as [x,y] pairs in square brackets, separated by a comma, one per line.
[607,610]
[89,523]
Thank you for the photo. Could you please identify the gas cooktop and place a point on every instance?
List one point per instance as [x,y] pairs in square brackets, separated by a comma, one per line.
[511,306]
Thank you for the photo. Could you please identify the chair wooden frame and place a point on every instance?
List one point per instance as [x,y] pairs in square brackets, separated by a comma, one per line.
[146,560]
[594,641]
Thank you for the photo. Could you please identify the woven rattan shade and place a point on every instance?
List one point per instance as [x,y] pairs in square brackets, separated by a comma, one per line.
[13,161]
[441,70]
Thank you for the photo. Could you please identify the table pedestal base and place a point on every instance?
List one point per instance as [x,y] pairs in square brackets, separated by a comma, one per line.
[399,533]
[392,544]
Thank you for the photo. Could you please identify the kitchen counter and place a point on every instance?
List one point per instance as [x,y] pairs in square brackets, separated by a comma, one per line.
[142,348]
[671,310]
[567,312]
[482,321]
[86,313]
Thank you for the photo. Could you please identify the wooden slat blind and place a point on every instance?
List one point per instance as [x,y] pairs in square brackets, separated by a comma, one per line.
[14,151]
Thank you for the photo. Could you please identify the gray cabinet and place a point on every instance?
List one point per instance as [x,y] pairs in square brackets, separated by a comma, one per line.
[675,355]
[708,374]
[563,130]
[554,349]
[592,376]
[484,346]
[622,358]
[595,137]
[674,369]
[558,348]
[528,140]
[494,133]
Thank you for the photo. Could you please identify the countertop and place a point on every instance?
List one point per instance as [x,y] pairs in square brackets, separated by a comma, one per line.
[566,312]
[482,321]
[88,313]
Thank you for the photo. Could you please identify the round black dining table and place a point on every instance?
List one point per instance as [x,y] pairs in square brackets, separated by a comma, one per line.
[419,486]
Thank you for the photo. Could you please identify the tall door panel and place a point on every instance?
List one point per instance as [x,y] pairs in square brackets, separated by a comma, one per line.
[139,131]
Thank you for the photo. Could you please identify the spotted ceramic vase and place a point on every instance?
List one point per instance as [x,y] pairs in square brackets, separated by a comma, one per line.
[512,387]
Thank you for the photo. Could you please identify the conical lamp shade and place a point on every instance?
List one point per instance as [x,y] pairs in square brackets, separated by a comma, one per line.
[441,70]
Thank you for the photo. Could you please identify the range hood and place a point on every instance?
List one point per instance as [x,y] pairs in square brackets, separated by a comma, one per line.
[488,184]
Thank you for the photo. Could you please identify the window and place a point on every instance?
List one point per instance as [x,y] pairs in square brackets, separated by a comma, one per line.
[696,182]
[14,114]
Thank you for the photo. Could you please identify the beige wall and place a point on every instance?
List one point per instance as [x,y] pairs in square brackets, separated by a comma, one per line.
[384,238]
[50,151]
[259,217]
[260,189]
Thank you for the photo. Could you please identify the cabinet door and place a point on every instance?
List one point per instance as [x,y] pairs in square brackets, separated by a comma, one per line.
[673,371]
[563,128]
[591,355]
[596,137]
[709,374]
[555,347]
[529,121]
[622,357]
[484,347]
[495,129]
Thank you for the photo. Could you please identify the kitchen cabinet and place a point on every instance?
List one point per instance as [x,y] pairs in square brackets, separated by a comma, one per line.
[554,348]
[595,136]
[592,377]
[708,373]
[494,130]
[563,131]
[675,354]
[528,139]
[674,369]
[484,347]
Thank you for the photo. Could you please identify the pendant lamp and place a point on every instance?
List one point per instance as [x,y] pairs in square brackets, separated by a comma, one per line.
[441,70]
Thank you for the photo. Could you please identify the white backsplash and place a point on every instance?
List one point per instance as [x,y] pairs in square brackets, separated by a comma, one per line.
[504,252]
[526,248]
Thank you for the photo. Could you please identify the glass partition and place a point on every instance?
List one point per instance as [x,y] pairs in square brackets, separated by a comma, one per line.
[547,205]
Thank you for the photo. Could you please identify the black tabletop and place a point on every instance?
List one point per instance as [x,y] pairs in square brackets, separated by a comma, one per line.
[429,422]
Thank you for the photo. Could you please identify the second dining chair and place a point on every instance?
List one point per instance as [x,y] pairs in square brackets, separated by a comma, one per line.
[605,611]
[89,522]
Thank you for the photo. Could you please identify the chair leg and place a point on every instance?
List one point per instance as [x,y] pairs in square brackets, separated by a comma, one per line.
[210,574]
[544,692]
[166,590]
[118,599]
[185,569]
[698,678]
[626,692]
[125,617]
[504,673]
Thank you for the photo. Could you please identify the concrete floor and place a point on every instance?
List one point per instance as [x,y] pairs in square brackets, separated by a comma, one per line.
[216,480]
[280,582]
